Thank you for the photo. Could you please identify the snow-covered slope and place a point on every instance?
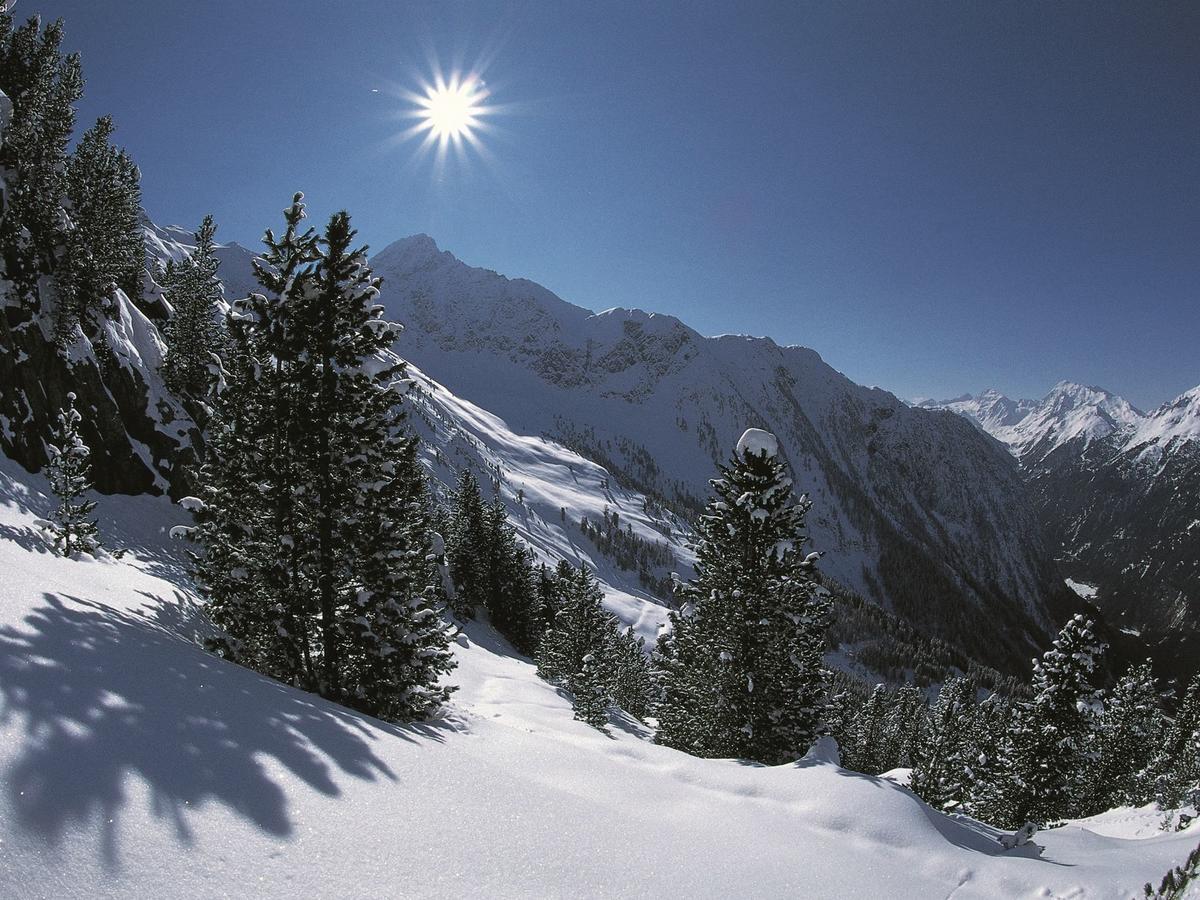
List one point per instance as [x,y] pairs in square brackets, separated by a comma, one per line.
[1119,491]
[548,490]
[134,764]
[915,509]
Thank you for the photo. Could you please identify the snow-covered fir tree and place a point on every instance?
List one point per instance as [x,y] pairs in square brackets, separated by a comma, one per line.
[466,540]
[939,771]
[104,249]
[741,665]
[987,755]
[633,679]
[509,594]
[1176,765]
[44,85]
[1048,754]
[73,530]
[865,746]
[1124,743]
[193,333]
[313,515]
[577,650]
[903,727]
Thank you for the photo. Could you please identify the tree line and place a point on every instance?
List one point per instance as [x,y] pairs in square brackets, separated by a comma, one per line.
[1062,748]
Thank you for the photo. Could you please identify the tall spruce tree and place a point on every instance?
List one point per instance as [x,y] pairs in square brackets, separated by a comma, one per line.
[105,248]
[576,651]
[1048,759]
[903,727]
[988,753]
[939,771]
[313,517]
[193,332]
[633,680]
[43,86]
[1176,766]
[73,529]
[1124,744]
[510,593]
[866,749]
[741,665]
[466,543]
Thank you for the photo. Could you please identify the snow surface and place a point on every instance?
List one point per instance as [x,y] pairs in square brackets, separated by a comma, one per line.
[547,489]
[757,442]
[1086,591]
[133,763]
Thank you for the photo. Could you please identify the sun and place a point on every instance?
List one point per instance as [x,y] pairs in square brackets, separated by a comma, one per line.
[453,110]
[450,114]
[450,111]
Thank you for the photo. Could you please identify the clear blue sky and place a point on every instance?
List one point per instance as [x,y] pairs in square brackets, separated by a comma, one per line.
[938,197]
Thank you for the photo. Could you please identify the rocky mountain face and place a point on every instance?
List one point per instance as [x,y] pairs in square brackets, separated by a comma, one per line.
[1119,492]
[916,510]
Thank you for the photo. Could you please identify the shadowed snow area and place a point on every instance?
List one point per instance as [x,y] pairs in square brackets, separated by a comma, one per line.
[132,763]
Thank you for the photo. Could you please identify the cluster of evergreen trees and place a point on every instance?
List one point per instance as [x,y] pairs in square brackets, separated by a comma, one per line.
[1061,749]
[555,616]
[630,551]
[75,216]
[313,518]
[585,651]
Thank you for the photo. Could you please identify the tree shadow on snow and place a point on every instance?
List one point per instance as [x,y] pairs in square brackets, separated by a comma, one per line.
[105,693]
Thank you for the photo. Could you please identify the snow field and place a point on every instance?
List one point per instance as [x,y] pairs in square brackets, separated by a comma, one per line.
[133,763]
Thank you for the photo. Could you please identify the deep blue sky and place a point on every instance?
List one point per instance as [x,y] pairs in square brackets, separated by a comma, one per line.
[937,197]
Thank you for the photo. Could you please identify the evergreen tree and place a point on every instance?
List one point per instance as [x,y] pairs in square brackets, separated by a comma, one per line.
[988,750]
[903,727]
[105,248]
[576,651]
[1176,766]
[68,471]
[840,712]
[466,542]
[43,86]
[314,515]
[939,771]
[591,689]
[1125,741]
[741,665]
[866,748]
[546,598]
[193,333]
[1048,759]
[510,594]
[633,681]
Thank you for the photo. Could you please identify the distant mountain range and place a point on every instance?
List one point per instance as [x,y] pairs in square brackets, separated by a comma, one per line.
[1119,492]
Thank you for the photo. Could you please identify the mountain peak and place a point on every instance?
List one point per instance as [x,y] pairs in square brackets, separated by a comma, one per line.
[410,253]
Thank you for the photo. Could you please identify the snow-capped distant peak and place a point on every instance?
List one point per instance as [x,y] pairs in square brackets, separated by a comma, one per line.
[1069,411]
[1177,420]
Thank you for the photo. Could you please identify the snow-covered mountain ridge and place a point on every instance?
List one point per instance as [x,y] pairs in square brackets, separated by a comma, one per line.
[1119,491]
[915,510]
[1032,429]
